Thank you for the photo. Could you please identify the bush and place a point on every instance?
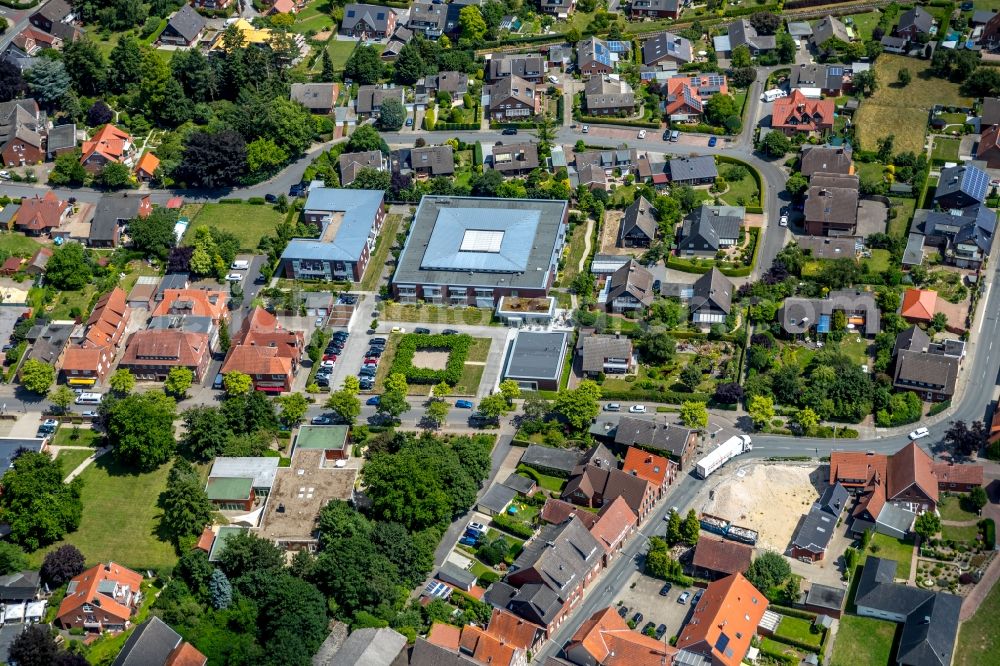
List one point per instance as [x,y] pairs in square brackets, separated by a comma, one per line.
[516,527]
[989,528]
[457,345]
[487,579]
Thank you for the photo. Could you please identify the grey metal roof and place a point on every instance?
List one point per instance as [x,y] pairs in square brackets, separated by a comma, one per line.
[692,168]
[61,136]
[374,16]
[433,255]
[816,530]
[536,355]
[896,518]
[537,455]
[261,469]
[451,573]
[597,348]
[913,255]
[522,484]
[497,498]
[799,29]
[359,208]
[370,647]
[151,643]
[826,596]
[652,433]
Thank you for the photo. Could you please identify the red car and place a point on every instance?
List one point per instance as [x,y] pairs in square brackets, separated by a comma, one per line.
[371,361]
[329,357]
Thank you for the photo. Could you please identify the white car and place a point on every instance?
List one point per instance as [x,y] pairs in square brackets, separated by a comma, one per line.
[783,222]
[398,329]
[327,364]
[642,134]
[637,409]
[586,129]
[477,527]
[553,80]
[5,174]
[234,277]
[920,433]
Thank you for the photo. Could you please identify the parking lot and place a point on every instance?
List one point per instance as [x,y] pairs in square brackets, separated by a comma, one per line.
[642,595]
[8,318]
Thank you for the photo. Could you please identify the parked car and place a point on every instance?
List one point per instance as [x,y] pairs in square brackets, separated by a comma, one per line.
[637,409]
[409,122]
[612,407]
[683,598]
[398,329]
[374,400]
[367,371]
[48,426]
[642,134]
[553,80]
[297,190]
[321,420]
[234,277]
[89,415]
[478,527]
[661,631]
[366,384]
[783,222]
[323,382]
[327,364]
[697,597]
[270,198]
[712,141]
[920,433]
[637,619]
[665,589]
[374,352]
[586,129]
[463,404]
[647,627]
[509,131]
[623,611]
[472,534]
[377,341]
[466,541]
[422,331]
[449,331]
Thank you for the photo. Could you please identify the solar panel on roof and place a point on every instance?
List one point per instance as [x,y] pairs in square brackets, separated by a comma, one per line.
[619,47]
[722,642]
[835,71]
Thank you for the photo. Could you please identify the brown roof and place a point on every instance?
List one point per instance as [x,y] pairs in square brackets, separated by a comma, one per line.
[84,589]
[609,483]
[38,213]
[445,635]
[205,540]
[106,324]
[555,511]
[613,523]
[515,156]
[597,348]
[512,629]
[934,371]
[110,142]
[645,465]
[485,648]
[724,620]
[186,654]
[198,302]
[439,159]
[963,474]
[832,198]
[848,465]
[166,347]
[908,466]
[826,160]
[256,361]
[872,498]
[352,163]
[82,358]
[608,640]
[716,554]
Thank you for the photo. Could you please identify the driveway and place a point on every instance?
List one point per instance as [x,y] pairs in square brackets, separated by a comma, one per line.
[641,594]
[8,318]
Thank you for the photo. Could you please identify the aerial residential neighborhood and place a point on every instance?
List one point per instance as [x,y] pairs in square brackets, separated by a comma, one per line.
[482,332]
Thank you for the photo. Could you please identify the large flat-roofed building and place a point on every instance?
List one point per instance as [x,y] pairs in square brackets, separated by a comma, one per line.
[349,222]
[536,360]
[470,251]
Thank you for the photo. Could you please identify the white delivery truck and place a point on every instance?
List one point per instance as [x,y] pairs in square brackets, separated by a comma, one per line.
[725,452]
[773,94]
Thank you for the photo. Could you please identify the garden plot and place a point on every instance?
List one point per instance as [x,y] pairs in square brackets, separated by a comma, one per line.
[767,498]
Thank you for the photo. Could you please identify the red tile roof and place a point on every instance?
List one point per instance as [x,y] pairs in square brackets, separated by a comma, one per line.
[11,265]
[963,474]
[166,347]
[614,523]
[199,302]
[555,511]
[484,648]
[84,359]
[645,465]
[512,629]
[910,466]
[847,466]
[801,114]
[85,591]
[919,304]
[206,540]
[109,142]
[717,554]
[40,213]
[262,329]
[148,164]
[107,322]
[444,635]
[256,361]
[186,654]
[607,639]
[730,609]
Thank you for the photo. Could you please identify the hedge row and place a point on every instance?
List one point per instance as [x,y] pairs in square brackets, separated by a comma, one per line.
[761,187]
[457,345]
[612,120]
[802,645]
[989,533]
[668,397]
[701,128]
[778,657]
[516,527]
[792,612]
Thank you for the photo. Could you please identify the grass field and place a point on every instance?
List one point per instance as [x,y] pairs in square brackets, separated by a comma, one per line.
[315,17]
[951,509]
[71,459]
[879,261]
[955,533]
[120,518]
[946,149]
[246,221]
[745,189]
[66,301]
[468,382]
[551,483]
[17,244]
[863,641]
[576,247]
[799,630]
[900,225]
[435,314]
[902,111]
[376,264]
[84,437]
[978,639]
[893,549]
[864,24]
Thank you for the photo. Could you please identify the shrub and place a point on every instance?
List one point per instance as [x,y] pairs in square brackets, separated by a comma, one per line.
[457,346]
[516,527]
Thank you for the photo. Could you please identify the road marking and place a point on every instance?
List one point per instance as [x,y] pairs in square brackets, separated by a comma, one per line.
[986,300]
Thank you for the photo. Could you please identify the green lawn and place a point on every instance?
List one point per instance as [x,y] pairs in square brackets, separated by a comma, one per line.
[18,244]
[777,647]
[384,242]
[71,459]
[799,630]
[864,24]
[120,518]
[863,641]
[479,350]
[435,314]
[954,533]
[84,436]
[946,149]
[869,170]
[891,548]
[468,382]
[575,248]
[978,639]
[745,189]
[247,222]
[879,261]
[315,16]
[904,207]
[551,483]
[856,351]
[951,509]
[68,302]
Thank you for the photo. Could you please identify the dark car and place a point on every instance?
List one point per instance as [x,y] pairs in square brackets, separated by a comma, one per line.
[422,331]
[660,631]
[472,534]
[647,627]
[712,141]
[449,331]
[297,190]
[665,590]
[468,541]
[374,353]
[323,382]
[622,611]
[366,384]
[374,400]
[270,198]
[509,131]
[367,371]
[375,341]
[637,619]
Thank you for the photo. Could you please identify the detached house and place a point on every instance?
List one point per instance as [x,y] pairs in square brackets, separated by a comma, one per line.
[687,95]
[110,144]
[55,17]
[429,19]
[607,354]
[666,47]
[711,300]
[530,68]
[368,21]
[560,8]
[594,57]
[914,22]
[826,159]
[113,212]
[352,163]
[723,623]
[629,288]
[22,132]
[699,170]
[828,79]
[370,99]
[265,351]
[184,28]
[740,33]
[638,228]
[709,229]
[828,29]
[831,207]
[512,98]
[802,315]
[608,95]
[641,9]
[40,215]
[963,236]
[797,113]
[319,98]
[961,186]
[102,598]
[515,158]
[716,558]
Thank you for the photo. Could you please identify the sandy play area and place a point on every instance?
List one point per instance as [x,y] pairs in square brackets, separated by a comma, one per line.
[431,359]
[767,498]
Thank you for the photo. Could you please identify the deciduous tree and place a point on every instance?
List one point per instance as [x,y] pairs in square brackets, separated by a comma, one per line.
[345,404]
[694,415]
[237,383]
[178,382]
[62,397]
[37,505]
[293,408]
[69,267]
[761,410]
[37,376]
[690,528]
[436,413]
[768,570]
[580,405]
[205,433]
[392,116]
[186,507]
[927,524]
[141,429]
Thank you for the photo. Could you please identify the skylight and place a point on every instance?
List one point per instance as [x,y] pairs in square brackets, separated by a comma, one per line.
[481,240]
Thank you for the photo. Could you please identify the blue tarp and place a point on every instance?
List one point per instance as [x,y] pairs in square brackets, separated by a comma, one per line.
[824,324]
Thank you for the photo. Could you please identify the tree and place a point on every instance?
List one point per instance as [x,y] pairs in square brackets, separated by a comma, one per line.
[213,160]
[154,235]
[984,82]
[471,23]
[765,23]
[442,389]
[364,65]
[660,564]
[186,507]
[35,646]
[12,84]
[904,77]
[796,185]
[250,554]
[409,65]
[293,408]
[392,116]
[67,170]
[690,376]
[292,611]
[694,415]
[769,570]
[125,65]
[114,176]
[12,558]
[345,404]
[364,139]
[510,390]
[237,383]
[807,420]
[963,440]
[220,591]
[141,429]
[206,433]
[328,74]
[729,393]
[775,144]
[885,145]
[761,410]
[743,77]
[48,81]
[36,504]
[265,156]
[786,48]
[927,525]
[62,397]
[99,113]
[86,66]
[690,528]
[719,108]
[978,498]
[939,321]
[658,346]
[741,56]
[493,406]
[437,412]
[579,406]
[61,565]
[37,376]
[69,267]
[178,382]
[368,178]
[392,404]
[865,83]
[674,534]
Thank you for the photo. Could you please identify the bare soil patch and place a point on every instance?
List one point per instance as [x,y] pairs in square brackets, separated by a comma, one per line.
[430,359]
[609,235]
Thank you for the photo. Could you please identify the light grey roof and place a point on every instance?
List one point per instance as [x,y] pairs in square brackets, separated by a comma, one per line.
[313,95]
[652,433]
[359,208]
[563,556]
[497,498]
[374,16]
[799,29]
[61,137]
[150,644]
[606,92]
[597,348]
[187,22]
[7,214]
[830,28]
[428,16]
[692,168]
[261,469]
[913,255]
[896,518]
[536,355]
[370,647]
[451,573]
[551,457]
[427,259]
